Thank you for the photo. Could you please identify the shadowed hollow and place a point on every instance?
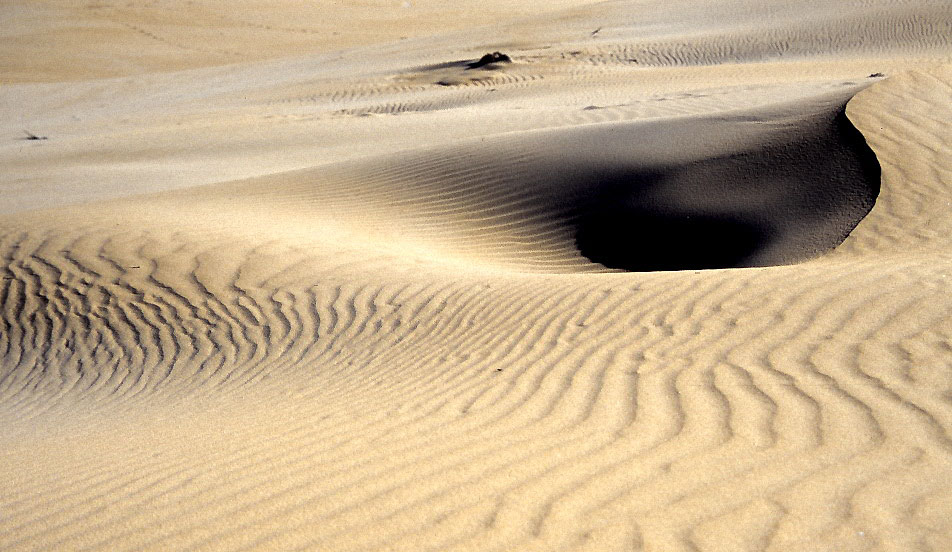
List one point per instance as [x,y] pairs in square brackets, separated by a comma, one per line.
[794,196]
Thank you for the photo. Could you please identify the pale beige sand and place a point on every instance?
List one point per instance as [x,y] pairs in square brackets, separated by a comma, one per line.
[313,300]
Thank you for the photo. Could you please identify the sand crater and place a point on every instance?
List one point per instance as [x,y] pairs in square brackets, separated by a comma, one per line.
[795,195]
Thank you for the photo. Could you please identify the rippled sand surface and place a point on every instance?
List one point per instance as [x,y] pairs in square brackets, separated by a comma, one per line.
[675,276]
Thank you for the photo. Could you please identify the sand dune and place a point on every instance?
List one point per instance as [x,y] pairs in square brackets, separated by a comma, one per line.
[672,279]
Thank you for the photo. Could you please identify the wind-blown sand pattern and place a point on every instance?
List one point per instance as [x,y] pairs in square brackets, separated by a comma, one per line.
[675,278]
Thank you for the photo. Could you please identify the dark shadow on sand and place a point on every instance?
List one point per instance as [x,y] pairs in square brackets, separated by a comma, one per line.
[654,241]
[777,204]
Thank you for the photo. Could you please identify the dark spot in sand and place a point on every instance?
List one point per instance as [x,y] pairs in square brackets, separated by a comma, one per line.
[489,59]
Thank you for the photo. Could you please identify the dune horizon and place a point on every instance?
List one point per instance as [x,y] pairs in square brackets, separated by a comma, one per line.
[417,275]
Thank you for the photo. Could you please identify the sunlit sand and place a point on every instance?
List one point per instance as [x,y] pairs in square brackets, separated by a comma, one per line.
[658,276]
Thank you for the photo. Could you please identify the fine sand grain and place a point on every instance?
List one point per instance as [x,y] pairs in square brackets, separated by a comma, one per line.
[678,276]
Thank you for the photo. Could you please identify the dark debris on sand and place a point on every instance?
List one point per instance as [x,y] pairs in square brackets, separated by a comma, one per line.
[489,59]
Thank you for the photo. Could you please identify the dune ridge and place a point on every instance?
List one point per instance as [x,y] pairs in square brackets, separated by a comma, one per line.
[300,343]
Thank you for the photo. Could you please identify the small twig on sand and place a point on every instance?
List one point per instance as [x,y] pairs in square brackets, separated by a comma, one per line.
[31,136]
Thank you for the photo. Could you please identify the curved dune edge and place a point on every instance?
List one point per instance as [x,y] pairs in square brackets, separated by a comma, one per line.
[778,184]
[409,352]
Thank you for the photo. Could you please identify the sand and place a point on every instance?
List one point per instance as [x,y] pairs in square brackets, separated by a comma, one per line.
[280,277]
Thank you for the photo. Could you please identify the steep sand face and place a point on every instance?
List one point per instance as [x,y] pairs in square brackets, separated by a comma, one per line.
[373,299]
